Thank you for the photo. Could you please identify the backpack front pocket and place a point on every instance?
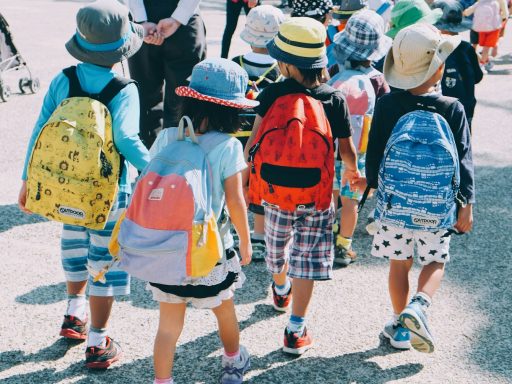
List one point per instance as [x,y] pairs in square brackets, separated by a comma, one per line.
[157,256]
[291,177]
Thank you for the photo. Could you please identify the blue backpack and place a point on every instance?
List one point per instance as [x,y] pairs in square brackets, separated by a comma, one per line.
[169,234]
[419,174]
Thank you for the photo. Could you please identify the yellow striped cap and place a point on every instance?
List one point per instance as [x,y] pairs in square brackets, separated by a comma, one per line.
[300,42]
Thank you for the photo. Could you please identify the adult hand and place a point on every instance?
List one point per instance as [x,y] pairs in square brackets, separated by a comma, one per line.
[465,219]
[151,36]
[252,3]
[22,198]
[167,27]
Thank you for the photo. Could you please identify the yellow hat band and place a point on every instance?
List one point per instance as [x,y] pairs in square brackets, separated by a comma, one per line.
[299,48]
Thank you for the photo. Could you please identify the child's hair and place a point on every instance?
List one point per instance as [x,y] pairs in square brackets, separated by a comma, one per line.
[314,75]
[220,118]
[359,63]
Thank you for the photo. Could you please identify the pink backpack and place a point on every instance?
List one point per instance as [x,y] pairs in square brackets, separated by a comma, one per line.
[487,16]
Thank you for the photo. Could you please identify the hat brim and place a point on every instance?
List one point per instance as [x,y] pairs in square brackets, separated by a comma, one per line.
[108,58]
[345,15]
[240,103]
[345,49]
[260,41]
[300,62]
[463,26]
[410,81]
[432,18]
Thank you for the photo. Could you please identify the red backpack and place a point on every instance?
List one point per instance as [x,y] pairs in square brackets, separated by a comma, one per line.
[292,160]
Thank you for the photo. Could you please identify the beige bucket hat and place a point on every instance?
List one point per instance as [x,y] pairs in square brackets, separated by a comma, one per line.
[417,53]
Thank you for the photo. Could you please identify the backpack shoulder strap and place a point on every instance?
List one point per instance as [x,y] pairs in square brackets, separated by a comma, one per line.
[75,89]
[441,105]
[113,87]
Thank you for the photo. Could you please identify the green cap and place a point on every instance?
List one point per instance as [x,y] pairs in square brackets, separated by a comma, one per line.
[409,12]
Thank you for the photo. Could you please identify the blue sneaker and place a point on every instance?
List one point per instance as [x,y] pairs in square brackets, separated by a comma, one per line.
[233,371]
[399,337]
[415,320]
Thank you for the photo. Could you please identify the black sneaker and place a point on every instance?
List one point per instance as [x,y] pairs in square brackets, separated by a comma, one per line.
[103,357]
[74,328]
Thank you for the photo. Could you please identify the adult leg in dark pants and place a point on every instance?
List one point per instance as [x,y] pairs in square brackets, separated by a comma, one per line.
[172,63]
[147,68]
[232,14]
[179,59]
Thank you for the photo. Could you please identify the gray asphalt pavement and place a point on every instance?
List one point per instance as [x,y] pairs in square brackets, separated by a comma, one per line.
[471,315]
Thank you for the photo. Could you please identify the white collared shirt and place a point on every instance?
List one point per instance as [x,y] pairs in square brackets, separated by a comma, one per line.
[182,13]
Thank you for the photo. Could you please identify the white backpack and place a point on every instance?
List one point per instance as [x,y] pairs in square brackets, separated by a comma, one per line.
[487,16]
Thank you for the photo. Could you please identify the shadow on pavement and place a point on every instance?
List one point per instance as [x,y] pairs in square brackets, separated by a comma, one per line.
[505,59]
[349,368]
[13,217]
[53,352]
[45,295]
[482,263]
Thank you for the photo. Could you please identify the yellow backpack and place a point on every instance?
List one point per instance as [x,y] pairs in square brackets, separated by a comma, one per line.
[74,169]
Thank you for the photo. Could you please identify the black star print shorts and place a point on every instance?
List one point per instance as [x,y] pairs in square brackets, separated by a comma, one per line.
[399,243]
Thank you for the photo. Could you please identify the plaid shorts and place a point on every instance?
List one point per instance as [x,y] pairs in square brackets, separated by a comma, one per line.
[302,238]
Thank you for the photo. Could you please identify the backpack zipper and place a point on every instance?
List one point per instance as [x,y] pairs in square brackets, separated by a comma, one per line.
[146,251]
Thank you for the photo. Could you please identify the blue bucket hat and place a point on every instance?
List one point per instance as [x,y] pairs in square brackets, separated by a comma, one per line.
[362,39]
[219,81]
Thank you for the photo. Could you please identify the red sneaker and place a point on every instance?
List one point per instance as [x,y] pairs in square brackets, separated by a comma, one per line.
[74,328]
[295,344]
[281,302]
[103,357]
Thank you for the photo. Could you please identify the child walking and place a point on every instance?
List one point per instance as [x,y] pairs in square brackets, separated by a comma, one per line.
[489,16]
[212,102]
[83,249]
[462,70]
[360,43]
[405,212]
[261,26]
[298,230]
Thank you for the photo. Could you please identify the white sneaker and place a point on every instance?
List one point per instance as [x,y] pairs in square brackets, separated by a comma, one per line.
[233,370]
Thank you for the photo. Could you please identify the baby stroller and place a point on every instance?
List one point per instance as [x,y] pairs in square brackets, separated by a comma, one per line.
[11,60]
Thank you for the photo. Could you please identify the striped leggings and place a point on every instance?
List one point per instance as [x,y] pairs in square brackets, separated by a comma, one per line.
[83,248]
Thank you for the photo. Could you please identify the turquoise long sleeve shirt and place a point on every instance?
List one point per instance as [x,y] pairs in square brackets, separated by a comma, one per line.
[124,108]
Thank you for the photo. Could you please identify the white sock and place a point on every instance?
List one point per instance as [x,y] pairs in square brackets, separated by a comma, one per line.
[77,306]
[395,318]
[283,290]
[96,337]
